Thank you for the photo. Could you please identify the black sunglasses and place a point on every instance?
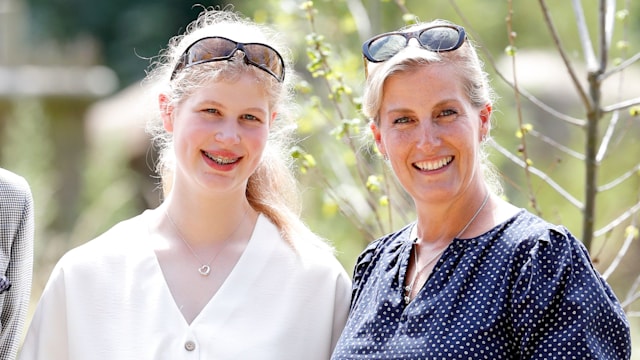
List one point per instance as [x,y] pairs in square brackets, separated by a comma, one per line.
[437,38]
[217,48]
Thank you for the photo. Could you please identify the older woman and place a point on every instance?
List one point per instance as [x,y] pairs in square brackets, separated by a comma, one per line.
[474,277]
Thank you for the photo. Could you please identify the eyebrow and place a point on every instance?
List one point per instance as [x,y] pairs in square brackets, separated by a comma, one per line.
[215,103]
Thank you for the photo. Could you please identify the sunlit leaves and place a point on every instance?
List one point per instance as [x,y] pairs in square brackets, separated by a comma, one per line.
[347,127]
[304,159]
[409,19]
[511,50]
[317,50]
[373,183]
[329,206]
[383,201]
[525,129]
[307,7]
[622,15]
[631,231]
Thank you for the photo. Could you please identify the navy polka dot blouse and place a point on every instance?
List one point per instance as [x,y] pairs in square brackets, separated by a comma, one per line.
[524,290]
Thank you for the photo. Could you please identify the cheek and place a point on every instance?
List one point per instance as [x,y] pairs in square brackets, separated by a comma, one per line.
[257,138]
[397,141]
[190,132]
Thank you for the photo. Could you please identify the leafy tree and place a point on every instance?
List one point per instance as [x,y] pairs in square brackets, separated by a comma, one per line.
[568,154]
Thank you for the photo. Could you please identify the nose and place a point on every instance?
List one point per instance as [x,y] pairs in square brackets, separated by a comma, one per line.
[227,132]
[427,134]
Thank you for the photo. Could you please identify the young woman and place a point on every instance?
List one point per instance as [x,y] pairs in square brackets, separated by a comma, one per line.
[224,268]
[473,277]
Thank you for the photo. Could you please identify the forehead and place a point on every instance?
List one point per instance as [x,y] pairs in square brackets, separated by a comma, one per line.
[227,90]
[424,81]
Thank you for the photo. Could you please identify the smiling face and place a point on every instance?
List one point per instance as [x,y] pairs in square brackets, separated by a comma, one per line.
[219,132]
[431,133]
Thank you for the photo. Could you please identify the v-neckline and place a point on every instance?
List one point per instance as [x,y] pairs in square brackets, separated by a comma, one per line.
[237,279]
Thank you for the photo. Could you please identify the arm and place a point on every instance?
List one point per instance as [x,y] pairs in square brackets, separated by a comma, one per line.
[562,307]
[17,251]
[46,337]
[341,306]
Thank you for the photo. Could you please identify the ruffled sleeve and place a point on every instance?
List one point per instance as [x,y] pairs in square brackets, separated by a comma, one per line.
[561,304]
[361,269]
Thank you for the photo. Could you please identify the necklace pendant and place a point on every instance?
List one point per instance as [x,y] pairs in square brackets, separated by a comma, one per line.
[407,300]
[204,270]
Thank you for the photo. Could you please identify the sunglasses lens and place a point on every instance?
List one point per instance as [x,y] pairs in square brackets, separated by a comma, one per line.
[440,38]
[383,48]
[210,49]
[265,58]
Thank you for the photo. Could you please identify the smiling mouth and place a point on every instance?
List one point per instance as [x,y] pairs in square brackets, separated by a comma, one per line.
[433,165]
[221,160]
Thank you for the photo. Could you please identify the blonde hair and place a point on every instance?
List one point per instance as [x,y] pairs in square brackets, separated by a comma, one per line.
[272,188]
[468,63]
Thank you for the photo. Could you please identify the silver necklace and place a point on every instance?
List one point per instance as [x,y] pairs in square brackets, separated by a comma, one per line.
[205,269]
[418,274]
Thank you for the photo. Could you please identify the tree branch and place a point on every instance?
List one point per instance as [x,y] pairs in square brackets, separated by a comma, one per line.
[621,253]
[622,105]
[542,175]
[623,65]
[491,61]
[604,145]
[557,145]
[617,221]
[607,17]
[620,179]
[583,33]
[563,55]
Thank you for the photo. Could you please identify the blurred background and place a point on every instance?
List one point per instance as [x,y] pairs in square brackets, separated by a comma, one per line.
[72,114]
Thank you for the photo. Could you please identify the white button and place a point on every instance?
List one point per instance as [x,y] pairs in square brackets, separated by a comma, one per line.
[190,345]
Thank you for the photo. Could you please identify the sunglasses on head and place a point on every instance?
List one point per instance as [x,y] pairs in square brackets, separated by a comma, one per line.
[436,38]
[217,48]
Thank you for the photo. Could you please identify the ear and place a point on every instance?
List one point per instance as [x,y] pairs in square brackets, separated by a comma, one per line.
[166,112]
[378,138]
[273,118]
[485,120]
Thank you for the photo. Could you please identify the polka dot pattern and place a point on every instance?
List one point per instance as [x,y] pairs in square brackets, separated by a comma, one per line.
[524,290]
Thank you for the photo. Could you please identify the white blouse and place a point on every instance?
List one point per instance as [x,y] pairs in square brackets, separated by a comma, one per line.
[108,299]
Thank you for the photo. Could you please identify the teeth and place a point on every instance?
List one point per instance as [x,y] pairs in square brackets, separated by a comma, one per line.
[434,165]
[220,160]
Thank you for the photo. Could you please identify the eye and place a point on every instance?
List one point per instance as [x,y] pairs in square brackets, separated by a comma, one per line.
[211,111]
[402,120]
[250,117]
[447,112]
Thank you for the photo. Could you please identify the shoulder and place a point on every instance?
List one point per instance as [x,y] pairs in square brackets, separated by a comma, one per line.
[385,244]
[388,246]
[309,251]
[13,186]
[13,181]
[543,249]
[528,231]
[120,239]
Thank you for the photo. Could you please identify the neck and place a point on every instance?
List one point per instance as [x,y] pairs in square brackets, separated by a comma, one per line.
[437,224]
[203,222]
